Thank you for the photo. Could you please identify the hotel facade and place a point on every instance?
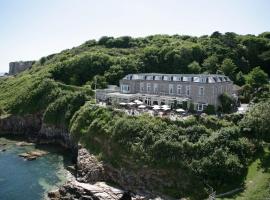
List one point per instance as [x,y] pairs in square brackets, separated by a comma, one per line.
[169,89]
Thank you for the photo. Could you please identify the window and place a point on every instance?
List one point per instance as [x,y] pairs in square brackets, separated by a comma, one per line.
[125,88]
[179,89]
[141,87]
[158,78]
[176,78]
[187,90]
[201,91]
[149,78]
[165,78]
[186,78]
[148,87]
[170,89]
[201,106]
[196,79]
[155,88]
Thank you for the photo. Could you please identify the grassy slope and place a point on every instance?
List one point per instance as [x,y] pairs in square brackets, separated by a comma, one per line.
[257,180]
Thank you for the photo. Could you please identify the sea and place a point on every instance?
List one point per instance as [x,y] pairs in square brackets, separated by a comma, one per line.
[31,180]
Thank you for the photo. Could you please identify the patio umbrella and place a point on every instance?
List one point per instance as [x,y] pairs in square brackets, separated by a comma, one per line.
[180,110]
[142,106]
[156,107]
[138,102]
[166,108]
[131,103]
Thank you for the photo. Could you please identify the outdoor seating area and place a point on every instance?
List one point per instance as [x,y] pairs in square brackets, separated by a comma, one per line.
[137,107]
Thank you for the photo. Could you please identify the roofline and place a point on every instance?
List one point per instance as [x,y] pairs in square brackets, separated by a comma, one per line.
[164,74]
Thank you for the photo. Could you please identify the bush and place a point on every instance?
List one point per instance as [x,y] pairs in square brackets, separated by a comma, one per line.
[256,122]
[210,110]
[227,103]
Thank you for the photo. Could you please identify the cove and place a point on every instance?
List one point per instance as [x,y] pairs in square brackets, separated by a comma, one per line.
[31,180]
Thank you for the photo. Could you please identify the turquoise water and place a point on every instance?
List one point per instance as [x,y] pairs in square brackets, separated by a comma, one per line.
[30,180]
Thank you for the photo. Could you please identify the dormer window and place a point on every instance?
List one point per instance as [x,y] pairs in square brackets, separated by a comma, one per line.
[149,78]
[157,78]
[165,78]
[196,79]
[186,78]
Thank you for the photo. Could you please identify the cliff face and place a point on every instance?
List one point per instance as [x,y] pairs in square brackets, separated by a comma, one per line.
[17,67]
[143,182]
[32,127]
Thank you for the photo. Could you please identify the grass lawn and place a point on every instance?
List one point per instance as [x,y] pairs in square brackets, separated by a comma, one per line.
[257,180]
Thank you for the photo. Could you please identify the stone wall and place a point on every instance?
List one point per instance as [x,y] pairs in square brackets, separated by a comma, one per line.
[17,67]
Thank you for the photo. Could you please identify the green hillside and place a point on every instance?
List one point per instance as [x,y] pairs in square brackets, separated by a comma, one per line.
[212,152]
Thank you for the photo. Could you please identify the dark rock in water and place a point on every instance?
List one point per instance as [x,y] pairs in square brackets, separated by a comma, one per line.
[126,196]
[31,158]
[72,169]
[24,155]
[54,195]
[28,156]
[33,155]
[3,150]
[24,144]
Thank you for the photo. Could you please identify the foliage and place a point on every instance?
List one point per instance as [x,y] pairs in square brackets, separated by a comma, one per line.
[227,103]
[256,122]
[210,109]
[214,149]
[257,78]
[228,68]
[62,109]
[240,78]
[194,68]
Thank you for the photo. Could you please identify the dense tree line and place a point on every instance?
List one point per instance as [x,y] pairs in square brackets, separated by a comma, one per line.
[230,54]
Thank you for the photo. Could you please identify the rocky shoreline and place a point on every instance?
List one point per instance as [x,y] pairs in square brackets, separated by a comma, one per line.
[91,176]
[92,183]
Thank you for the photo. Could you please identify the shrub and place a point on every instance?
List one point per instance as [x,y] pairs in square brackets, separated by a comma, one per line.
[210,110]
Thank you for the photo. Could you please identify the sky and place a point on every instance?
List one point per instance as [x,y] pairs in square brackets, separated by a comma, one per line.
[30,29]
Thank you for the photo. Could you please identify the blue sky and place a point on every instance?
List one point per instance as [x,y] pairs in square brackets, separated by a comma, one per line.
[30,29]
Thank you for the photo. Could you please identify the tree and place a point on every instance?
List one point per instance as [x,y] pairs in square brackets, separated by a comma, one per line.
[2,111]
[256,121]
[240,79]
[257,78]
[210,64]
[228,68]
[227,103]
[210,110]
[194,68]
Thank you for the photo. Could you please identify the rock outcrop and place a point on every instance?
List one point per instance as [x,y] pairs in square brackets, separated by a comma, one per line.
[17,67]
[27,125]
[98,191]
[143,182]
[33,127]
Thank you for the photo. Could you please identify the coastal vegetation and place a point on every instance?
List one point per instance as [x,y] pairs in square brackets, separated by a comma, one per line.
[214,151]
